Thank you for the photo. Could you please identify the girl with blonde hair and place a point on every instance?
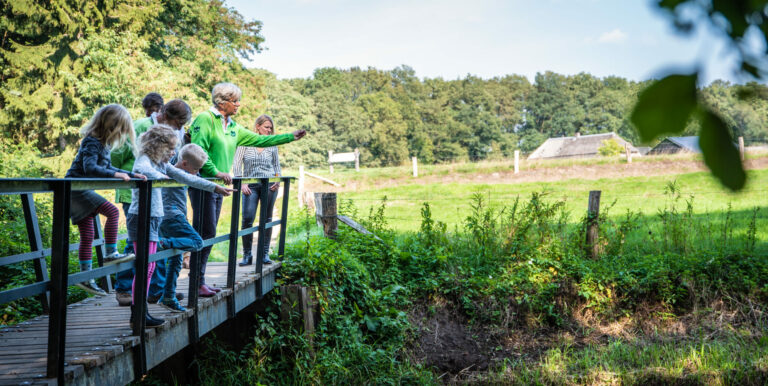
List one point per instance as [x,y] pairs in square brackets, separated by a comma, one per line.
[156,147]
[109,128]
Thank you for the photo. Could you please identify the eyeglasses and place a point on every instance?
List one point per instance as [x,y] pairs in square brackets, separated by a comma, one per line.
[237,102]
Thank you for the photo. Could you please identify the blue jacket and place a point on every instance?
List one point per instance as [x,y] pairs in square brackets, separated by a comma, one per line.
[92,161]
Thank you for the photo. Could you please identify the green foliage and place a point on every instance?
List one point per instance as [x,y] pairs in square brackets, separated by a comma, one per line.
[610,148]
[666,105]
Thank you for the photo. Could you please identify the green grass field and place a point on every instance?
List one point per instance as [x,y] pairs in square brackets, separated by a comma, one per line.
[450,202]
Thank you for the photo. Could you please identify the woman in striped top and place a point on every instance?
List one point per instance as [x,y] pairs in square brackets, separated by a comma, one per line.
[260,163]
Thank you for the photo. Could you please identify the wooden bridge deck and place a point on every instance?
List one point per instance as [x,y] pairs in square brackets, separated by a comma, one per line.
[99,341]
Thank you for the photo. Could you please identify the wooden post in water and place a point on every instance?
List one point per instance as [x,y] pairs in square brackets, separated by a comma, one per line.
[325,213]
[300,194]
[517,161]
[629,154]
[741,147]
[415,167]
[593,212]
[330,156]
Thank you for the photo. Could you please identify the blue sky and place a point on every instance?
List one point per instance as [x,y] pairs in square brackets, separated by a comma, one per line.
[486,38]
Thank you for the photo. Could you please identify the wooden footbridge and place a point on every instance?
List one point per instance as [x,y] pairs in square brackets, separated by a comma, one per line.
[91,342]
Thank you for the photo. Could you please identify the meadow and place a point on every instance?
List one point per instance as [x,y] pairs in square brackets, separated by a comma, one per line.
[490,283]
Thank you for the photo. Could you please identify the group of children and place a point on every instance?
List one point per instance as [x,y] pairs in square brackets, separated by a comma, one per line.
[155,152]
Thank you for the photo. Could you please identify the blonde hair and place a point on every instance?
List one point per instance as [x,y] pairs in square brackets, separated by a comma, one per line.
[111,125]
[157,141]
[263,118]
[193,153]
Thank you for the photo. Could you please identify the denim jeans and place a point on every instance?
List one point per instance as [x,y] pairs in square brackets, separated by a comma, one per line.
[250,213]
[177,231]
[124,279]
[211,210]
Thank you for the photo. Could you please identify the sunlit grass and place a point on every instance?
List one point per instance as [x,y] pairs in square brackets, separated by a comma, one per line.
[713,362]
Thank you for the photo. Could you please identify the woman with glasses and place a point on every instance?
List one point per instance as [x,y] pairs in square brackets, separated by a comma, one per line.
[219,135]
[259,163]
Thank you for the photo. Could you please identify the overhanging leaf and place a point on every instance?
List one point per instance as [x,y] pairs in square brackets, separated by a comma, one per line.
[720,153]
[665,106]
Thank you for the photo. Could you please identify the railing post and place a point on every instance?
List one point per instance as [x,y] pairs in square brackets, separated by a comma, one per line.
[284,217]
[263,214]
[194,269]
[35,244]
[234,227]
[140,278]
[57,322]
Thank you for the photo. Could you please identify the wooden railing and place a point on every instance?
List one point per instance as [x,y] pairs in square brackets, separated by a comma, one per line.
[51,289]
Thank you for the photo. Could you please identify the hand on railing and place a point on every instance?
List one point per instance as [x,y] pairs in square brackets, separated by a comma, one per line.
[225,176]
[223,190]
[246,190]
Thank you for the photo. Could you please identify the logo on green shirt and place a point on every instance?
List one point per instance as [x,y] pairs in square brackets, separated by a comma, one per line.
[232,133]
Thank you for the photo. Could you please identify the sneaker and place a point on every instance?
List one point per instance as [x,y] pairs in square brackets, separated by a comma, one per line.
[117,257]
[267,261]
[173,305]
[91,287]
[153,299]
[205,292]
[124,299]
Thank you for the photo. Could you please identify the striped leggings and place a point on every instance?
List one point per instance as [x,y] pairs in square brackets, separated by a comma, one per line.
[150,268]
[86,230]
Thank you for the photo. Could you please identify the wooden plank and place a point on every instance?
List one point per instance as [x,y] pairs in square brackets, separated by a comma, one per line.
[356,226]
[334,183]
[97,341]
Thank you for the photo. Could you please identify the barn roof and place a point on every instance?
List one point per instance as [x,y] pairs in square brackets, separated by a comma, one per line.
[688,143]
[580,146]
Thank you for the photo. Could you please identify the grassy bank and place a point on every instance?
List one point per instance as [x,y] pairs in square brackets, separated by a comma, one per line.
[511,297]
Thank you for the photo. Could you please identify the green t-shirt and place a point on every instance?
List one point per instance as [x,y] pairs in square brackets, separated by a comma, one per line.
[123,157]
[208,132]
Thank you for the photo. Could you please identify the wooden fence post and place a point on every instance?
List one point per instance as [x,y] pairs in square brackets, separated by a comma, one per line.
[629,154]
[296,299]
[517,161]
[415,167]
[741,147]
[357,160]
[593,212]
[330,155]
[300,194]
[325,213]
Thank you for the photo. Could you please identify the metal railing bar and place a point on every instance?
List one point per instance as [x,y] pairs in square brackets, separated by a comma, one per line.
[13,259]
[47,252]
[26,291]
[215,240]
[255,229]
[43,185]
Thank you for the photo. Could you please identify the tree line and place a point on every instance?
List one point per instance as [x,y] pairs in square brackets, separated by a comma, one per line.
[60,62]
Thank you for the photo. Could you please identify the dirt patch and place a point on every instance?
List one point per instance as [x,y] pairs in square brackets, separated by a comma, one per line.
[460,352]
[446,342]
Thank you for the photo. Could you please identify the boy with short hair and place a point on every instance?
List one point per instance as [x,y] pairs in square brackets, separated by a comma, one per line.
[175,230]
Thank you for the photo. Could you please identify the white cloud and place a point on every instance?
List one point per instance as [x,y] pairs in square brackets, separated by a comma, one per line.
[615,36]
